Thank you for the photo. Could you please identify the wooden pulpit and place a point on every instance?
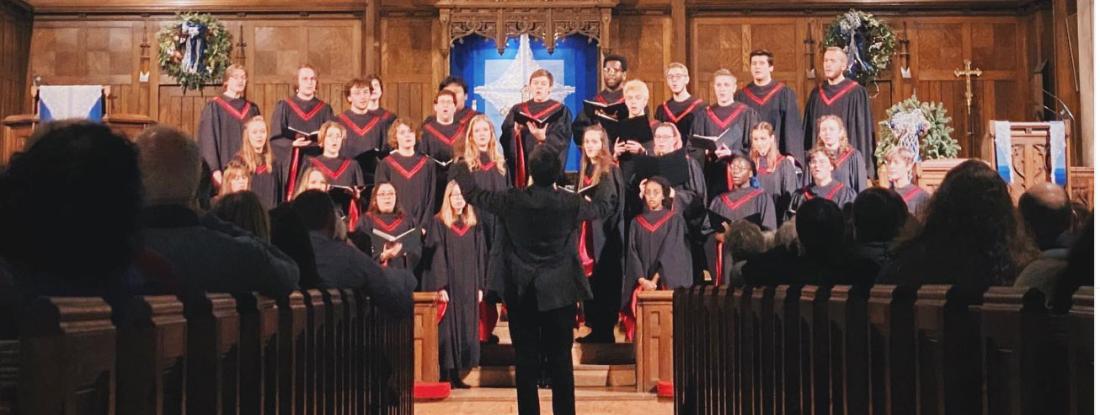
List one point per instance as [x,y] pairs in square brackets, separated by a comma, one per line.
[1030,154]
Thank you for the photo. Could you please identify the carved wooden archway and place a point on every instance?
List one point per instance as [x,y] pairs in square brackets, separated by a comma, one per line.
[547,20]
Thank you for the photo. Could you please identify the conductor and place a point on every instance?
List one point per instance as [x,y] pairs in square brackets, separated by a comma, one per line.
[540,276]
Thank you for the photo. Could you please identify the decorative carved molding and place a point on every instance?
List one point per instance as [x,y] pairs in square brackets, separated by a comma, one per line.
[549,21]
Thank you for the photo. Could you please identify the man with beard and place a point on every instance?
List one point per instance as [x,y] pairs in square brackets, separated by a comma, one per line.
[614,74]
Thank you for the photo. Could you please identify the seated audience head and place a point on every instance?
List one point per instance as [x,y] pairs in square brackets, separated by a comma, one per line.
[235,178]
[317,211]
[970,231]
[1046,212]
[384,199]
[831,134]
[170,166]
[786,237]
[69,204]
[244,210]
[544,165]
[744,239]
[657,193]
[666,139]
[1080,268]
[821,164]
[820,226]
[879,215]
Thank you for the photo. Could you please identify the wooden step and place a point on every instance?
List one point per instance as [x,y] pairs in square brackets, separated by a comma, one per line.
[583,353]
[583,376]
[603,401]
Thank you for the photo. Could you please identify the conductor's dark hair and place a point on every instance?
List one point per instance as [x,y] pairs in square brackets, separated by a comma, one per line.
[617,58]
[545,165]
[820,226]
[316,210]
[879,215]
[454,80]
[69,205]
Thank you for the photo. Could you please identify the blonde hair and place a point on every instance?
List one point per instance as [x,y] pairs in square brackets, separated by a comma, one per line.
[391,137]
[906,156]
[328,125]
[773,153]
[470,151]
[247,155]
[316,74]
[447,213]
[603,159]
[724,72]
[675,65]
[844,146]
[837,49]
[679,143]
[820,150]
[303,183]
[229,73]
[636,85]
[234,169]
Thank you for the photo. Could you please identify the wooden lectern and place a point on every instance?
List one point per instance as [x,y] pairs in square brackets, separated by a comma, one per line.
[1031,160]
[17,128]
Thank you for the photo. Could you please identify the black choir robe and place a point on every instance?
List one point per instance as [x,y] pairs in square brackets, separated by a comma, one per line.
[681,113]
[338,171]
[781,181]
[220,129]
[776,104]
[849,170]
[914,196]
[438,140]
[301,115]
[488,178]
[847,100]
[711,121]
[268,185]
[835,191]
[414,179]
[391,223]
[600,249]
[458,265]
[518,144]
[657,245]
[367,138]
[462,117]
[751,204]
[583,121]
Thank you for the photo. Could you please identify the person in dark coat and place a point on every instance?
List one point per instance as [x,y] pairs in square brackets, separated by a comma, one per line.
[776,174]
[542,279]
[878,216]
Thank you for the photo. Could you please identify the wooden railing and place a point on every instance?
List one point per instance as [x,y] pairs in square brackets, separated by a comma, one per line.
[883,350]
[312,352]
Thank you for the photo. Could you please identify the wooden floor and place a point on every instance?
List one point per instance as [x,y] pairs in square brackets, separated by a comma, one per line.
[502,401]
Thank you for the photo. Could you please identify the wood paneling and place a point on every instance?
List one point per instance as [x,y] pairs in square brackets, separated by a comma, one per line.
[15,42]
[412,64]
[171,6]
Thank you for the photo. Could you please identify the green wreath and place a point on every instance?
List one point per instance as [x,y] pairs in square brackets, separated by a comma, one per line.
[194,50]
[931,130]
[868,42]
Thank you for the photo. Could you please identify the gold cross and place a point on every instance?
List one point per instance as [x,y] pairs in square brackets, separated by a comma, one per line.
[968,72]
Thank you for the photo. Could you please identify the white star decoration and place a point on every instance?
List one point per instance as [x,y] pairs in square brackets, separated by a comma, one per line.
[511,87]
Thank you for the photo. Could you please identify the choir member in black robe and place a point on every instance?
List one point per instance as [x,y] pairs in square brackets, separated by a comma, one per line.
[614,74]
[339,171]
[623,143]
[776,174]
[728,120]
[413,174]
[518,140]
[267,172]
[743,201]
[690,196]
[900,168]
[462,114]
[844,98]
[775,103]
[367,123]
[457,272]
[439,134]
[657,255]
[222,122]
[490,173]
[236,177]
[295,120]
[386,215]
[600,247]
[850,169]
[822,184]
[682,108]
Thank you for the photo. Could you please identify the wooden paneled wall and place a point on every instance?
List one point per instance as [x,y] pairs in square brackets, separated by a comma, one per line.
[15,42]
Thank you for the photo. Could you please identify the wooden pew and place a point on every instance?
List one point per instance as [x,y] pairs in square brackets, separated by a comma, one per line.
[1012,322]
[67,357]
[728,327]
[314,353]
[848,345]
[679,348]
[763,351]
[259,326]
[353,360]
[1081,352]
[213,329]
[152,340]
[892,352]
[948,356]
[333,351]
[788,335]
[9,374]
[292,354]
[715,366]
[814,322]
[745,364]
